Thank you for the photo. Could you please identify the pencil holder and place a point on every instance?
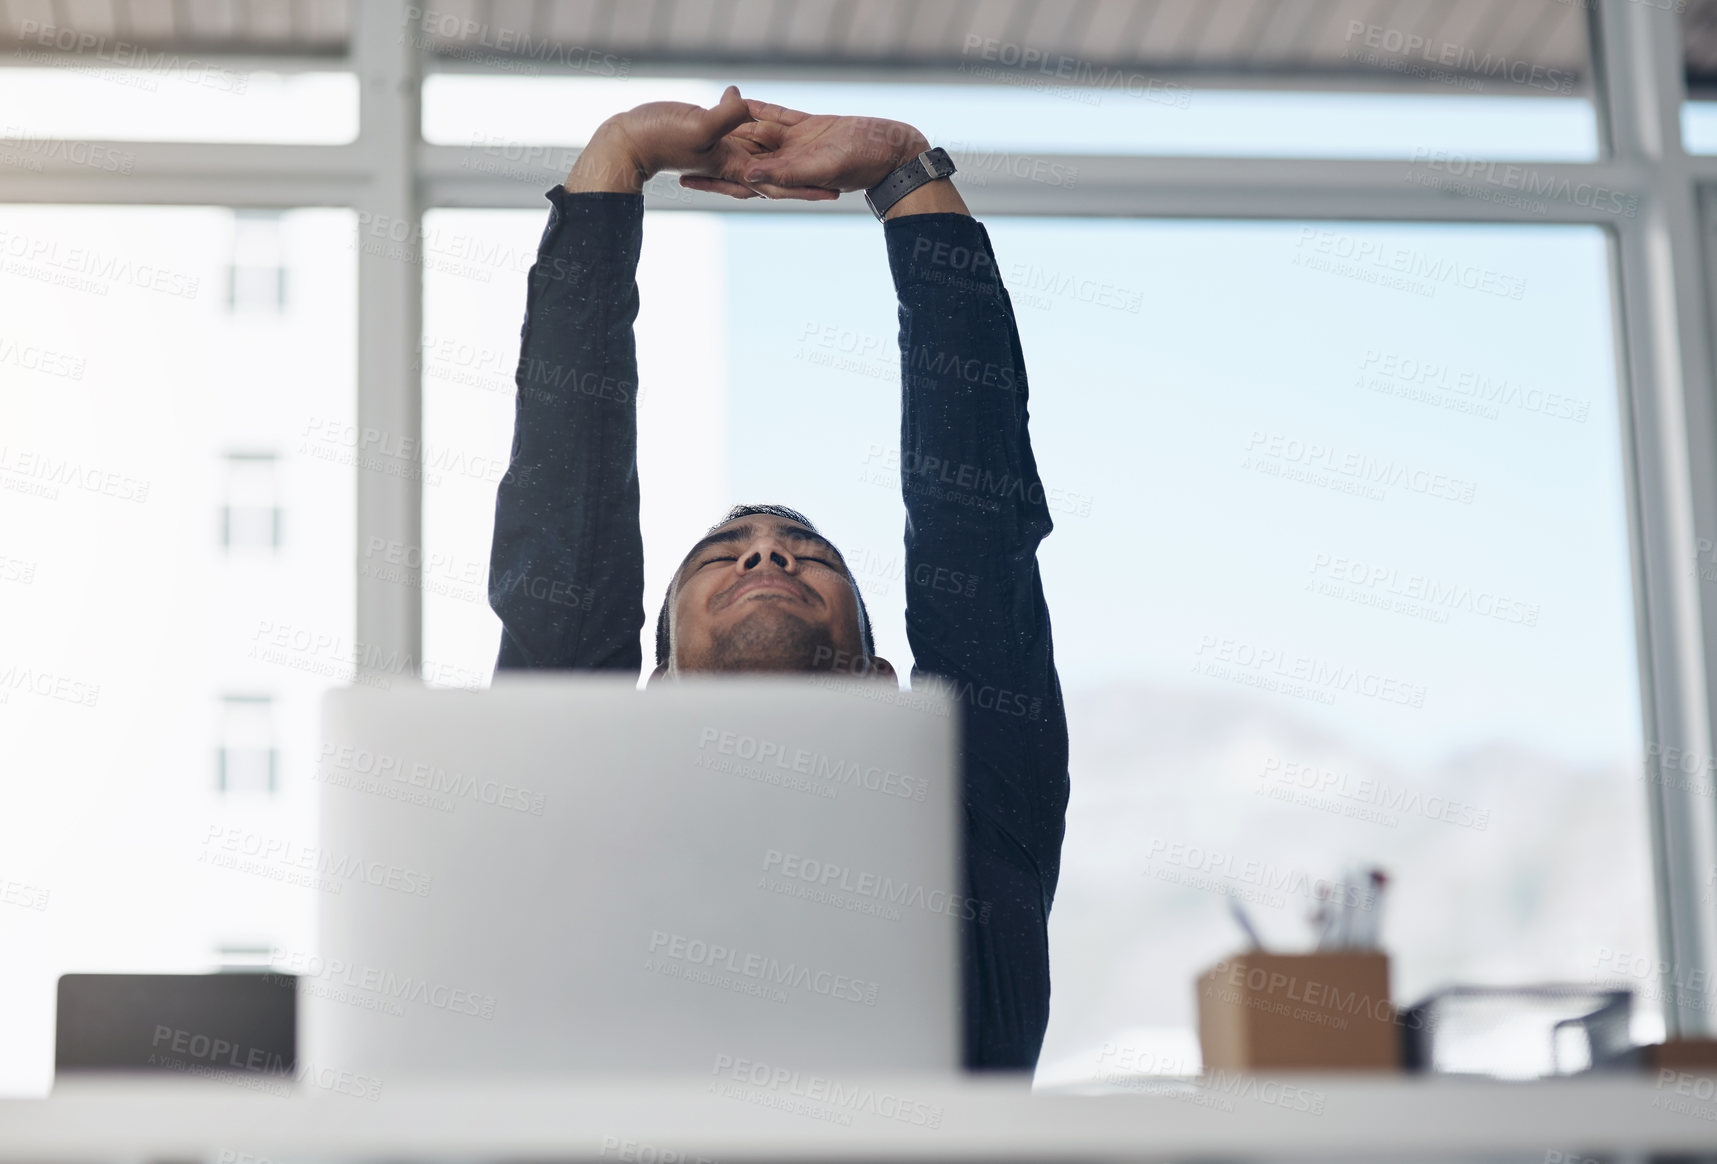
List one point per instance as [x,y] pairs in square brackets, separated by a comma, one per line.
[1298,1012]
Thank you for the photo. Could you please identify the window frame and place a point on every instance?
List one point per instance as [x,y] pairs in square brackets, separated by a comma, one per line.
[1664,313]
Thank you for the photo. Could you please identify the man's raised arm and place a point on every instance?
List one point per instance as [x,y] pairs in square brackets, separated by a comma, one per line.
[975,506]
[975,610]
[566,571]
[975,514]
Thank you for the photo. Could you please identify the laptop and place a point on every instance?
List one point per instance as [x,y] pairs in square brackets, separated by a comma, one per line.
[566,874]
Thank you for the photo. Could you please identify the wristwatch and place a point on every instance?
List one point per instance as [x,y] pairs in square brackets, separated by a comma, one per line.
[926,167]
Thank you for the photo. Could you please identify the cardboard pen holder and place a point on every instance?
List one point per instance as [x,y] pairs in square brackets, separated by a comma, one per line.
[1298,1012]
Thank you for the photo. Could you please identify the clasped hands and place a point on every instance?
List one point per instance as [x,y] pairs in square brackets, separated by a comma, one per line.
[744,149]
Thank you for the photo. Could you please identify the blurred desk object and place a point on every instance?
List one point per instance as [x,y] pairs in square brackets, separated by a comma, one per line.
[148,1022]
[1521,1032]
[715,1119]
[1324,1011]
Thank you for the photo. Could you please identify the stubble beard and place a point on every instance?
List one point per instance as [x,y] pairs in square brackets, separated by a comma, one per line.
[769,639]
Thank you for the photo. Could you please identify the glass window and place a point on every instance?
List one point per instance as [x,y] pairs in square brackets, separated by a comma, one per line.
[1340,574]
[256,277]
[243,956]
[1699,49]
[49,111]
[1377,609]
[250,513]
[125,383]
[471,315]
[978,122]
[1699,127]
[1699,52]
[249,758]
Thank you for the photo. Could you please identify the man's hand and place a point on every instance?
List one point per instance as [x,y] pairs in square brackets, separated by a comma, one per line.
[630,148]
[793,152]
[799,151]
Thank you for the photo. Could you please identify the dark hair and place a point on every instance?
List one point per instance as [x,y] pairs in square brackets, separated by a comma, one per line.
[735,514]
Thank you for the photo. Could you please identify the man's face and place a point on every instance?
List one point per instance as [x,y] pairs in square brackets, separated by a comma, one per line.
[762,593]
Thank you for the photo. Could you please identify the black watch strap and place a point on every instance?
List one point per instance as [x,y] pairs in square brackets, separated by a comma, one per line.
[926,167]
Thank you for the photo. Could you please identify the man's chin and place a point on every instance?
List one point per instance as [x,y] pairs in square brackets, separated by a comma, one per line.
[771,638]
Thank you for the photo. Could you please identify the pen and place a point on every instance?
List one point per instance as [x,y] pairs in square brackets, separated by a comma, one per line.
[1323,917]
[1239,912]
[1376,882]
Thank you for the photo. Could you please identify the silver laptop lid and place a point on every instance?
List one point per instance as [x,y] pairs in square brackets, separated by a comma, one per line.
[566,874]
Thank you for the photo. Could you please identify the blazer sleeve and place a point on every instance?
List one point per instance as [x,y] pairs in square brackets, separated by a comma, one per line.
[975,514]
[566,570]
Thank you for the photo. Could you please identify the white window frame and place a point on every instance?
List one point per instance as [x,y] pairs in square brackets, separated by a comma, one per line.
[1663,318]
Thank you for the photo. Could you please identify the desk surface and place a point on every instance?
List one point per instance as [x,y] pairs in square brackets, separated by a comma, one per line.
[718,1120]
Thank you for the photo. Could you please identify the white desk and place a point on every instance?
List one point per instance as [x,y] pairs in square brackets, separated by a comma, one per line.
[646,1121]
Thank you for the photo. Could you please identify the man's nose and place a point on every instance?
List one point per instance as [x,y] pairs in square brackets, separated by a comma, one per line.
[771,551]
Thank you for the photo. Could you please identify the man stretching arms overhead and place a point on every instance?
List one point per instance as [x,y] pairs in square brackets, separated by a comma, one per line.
[765,591]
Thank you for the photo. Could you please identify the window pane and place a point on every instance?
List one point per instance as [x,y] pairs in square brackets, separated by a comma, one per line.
[471,312]
[249,754]
[1699,127]
[471,318]
[1340,573]
[1165,118]
[144,664]
[49,109]
[1699,51]
[1318,524]
[250,508]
